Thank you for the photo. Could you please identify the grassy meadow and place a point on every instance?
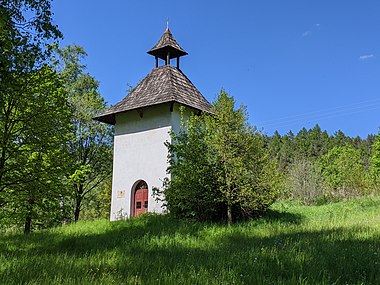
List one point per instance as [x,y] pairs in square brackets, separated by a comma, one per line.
[330,244]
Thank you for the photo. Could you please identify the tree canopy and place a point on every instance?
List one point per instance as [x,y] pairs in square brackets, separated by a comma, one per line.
[90,143]
[33,111]
[219,168]
[52,154]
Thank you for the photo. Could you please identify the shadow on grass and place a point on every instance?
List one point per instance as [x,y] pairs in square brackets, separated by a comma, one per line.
[283,217]
[158,250]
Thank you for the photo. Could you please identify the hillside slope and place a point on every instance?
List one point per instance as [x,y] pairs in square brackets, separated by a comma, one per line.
[330,244]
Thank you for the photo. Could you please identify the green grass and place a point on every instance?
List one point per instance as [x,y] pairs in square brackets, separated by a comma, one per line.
[330,244]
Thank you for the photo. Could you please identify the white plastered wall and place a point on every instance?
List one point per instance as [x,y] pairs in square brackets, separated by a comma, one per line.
[140,154]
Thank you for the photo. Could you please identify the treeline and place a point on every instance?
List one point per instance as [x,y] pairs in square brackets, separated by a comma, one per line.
[54,160]
[318,167]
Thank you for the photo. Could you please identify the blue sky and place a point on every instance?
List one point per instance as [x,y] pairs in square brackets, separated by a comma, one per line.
[292,63]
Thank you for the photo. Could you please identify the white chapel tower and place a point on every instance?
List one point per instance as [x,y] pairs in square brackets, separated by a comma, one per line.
[143,120]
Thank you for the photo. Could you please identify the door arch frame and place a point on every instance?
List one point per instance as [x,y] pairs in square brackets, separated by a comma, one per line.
[133,192]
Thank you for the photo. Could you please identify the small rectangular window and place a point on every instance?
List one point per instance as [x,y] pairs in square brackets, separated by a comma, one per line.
[146,204]
[138,205]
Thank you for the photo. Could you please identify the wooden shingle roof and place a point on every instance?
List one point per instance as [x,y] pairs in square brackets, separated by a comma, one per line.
[164,84]
[166,44]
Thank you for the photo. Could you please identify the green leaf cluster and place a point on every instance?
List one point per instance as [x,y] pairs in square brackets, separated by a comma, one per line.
[344,171]
[219,168]
[375,164]
[52,155]
[34,117]
[89,143]
[33,130]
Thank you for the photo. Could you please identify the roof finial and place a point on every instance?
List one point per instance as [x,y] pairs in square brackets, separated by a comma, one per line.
[167,23]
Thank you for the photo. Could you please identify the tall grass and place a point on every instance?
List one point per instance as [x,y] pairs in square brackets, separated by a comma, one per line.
[330,244]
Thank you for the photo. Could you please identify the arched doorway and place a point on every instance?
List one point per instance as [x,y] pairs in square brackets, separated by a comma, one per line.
[140,198]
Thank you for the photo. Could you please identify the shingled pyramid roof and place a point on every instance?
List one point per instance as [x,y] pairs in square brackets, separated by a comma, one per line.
[164,84]
[166,44]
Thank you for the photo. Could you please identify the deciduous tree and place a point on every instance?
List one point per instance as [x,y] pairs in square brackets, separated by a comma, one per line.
[344,172]
[90,143]
[218,162]
[32,112]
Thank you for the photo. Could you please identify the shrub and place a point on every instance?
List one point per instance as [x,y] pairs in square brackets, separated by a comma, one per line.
[219,168]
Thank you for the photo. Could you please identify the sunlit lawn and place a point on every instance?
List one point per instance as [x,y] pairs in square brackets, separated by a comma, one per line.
[331,244]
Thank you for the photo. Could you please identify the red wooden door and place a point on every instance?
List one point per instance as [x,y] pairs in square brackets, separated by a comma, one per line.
[141,201]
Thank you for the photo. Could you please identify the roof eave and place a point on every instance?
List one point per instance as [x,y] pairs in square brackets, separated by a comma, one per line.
[162,52]
[111,118]
[108,118]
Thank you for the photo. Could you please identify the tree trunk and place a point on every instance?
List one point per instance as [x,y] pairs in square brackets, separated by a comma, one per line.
[28,223]
[78,202]
[2,163]
[229,215]
[28,219]
[77,209]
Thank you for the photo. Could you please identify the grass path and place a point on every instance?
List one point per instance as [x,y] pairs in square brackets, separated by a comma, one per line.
[330,244]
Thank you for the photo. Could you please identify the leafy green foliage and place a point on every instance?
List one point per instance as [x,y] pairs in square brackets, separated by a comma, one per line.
[299,158]
[191,191]
[90,143]
[46,129]
[375,164]
[344,171]
[33,116]
[219,167]
[243,172]
[25,28]
[32,135]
